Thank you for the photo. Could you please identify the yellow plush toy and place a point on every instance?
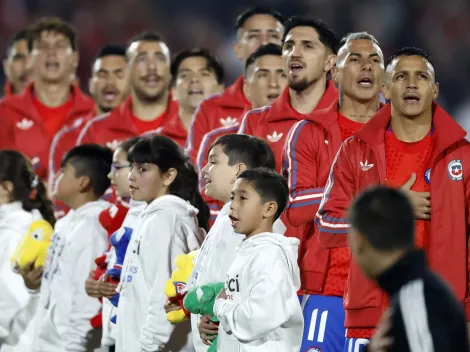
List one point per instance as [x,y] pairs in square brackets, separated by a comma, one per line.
[177,286]
[33,246]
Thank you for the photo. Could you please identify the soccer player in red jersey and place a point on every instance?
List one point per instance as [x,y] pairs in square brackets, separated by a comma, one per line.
[150,105]
[108,86]
[196,74]
[32,118]
[15,64]
[412,144]
[309,53]
[308,154]
[255,27]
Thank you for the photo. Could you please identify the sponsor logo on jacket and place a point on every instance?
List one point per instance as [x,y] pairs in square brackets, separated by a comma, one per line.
[229,121]
[232,284]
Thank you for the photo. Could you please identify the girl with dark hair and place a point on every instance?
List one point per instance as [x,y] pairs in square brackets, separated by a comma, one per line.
[23,199]
[162,177]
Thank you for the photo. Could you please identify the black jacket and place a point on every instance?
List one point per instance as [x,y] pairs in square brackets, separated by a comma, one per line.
[426,317]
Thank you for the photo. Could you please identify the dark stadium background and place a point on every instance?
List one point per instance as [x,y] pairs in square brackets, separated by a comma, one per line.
[440,27]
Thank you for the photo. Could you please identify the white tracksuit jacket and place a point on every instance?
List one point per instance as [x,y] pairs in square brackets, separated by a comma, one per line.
[109,329]
[17,307]
[65,309]
[167,227]
[262,311]
[217,254]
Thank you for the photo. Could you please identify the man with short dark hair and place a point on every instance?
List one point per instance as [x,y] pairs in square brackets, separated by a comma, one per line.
[412,144]
[50,101]
[424,314]
[309,151]
[149,106]
[15,63]
[255,27]
[196,74]
[108,86]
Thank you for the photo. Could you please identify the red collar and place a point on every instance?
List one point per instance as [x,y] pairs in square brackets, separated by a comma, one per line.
[447,131]
[281,109]
[233,96]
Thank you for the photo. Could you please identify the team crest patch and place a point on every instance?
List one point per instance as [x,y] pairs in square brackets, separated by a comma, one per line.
[427,176]
[313,349]
[180,287]
[455,170]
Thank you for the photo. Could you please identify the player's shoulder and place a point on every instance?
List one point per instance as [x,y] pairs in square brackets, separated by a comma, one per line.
[258,113]
[214,100]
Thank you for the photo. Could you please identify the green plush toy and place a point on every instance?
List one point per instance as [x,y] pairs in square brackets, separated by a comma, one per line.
[200,300]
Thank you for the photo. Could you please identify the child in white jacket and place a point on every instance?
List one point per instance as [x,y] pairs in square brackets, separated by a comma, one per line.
[228,157]
[65,310]
[258,309]
[23,199]
[162,177]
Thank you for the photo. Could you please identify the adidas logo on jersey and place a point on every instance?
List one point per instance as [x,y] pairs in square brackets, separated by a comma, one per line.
[229,121]
[273,138]
[365,166]
[25,124]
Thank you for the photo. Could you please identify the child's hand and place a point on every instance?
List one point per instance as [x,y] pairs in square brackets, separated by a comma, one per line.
[91,286]
[31,277]
[106,289]
[171,306]
[207,329]
[222,294]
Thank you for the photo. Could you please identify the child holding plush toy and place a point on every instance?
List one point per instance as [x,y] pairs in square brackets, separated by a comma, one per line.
[65,310]
[122,214]
[228,157]
[259,305]
[162,177]
[23,199]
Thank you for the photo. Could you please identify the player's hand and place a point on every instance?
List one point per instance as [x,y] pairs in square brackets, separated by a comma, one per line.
[91,285]
[171,306]
[222,294]
[31,277]
[380,342]
[105,288]
[421,201]
[206,329]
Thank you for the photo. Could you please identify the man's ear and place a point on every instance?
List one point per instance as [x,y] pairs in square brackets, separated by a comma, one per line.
[269,209]
[335,74]
[246,89]
[385,91]
[435,91]
[330,62]
[241,167]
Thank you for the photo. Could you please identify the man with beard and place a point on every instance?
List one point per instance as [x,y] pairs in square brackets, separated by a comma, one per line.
[196,74]
[308,154]
[412,144]
[150,105]
[309,52]
[108,86]
[15,64]
[255,27]
[32,118]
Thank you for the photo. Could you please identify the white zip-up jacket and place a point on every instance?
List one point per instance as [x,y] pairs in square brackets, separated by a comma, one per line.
[65,309]
[167,228]
[217,254]
[16,334]
[262,311]
[108,311]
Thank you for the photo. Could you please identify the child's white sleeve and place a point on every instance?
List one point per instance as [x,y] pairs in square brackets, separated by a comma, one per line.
[269,287]
[159,250]
[90,241]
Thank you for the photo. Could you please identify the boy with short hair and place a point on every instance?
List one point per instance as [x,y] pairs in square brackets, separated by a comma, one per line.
[229,156]
[258,309]
[65,309]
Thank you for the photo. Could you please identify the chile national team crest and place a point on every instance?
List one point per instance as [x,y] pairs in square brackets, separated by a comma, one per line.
[427,176]
[455,170]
